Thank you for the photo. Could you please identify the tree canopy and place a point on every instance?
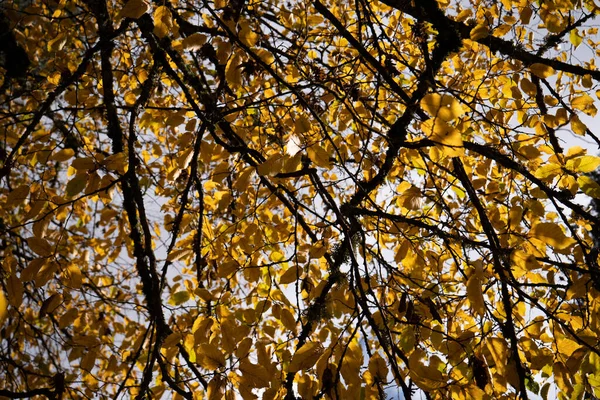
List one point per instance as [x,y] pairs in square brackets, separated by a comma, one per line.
[305,199]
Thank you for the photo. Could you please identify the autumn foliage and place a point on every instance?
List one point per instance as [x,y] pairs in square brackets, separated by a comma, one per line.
[305,199]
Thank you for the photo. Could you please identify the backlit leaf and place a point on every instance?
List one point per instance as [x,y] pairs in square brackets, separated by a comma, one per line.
[542,70]
[179,298]
[210,357]
[306,356]
[444,106]
[551,234]
[583,164]
[134,9]
[163,21]
[3,308]
[256,375]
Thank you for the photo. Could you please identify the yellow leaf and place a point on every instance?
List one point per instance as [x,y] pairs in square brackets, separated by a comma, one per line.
[317,251]
[271,166]
[578,127]
[58,42]
[133,9]
[163,21]
[575,38]
[499,351]
[541,70]
[583,164]
[289,276]
[288,320]
[410,198]
[428,377]
[225,269]
[67,318]
[551,234]
[585,103]
[45,273]
[302,125]
[74,277]
[116,162]
[448,137]
[233,72]
[62,155]
[266,56]
[527,86]
[548,171]
[194,42]
[179,298]
[589,186]
[243,347]
[276,256]
[216,388]
[40,246]
[54,78]
[319,156]
[443,106]
[475,295]
[3,308]
[479,32]
[210,357]
[378,367]
[247,35]
[172,340]
[523,260]
[256,375]
[306,356]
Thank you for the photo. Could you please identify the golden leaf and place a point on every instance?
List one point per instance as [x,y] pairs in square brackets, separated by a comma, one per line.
[585,103]
[247,35]
[233,71]
[289,276]
[583,164]
[444,106]
[163,21]
[62,155]
[542,70]
[3,308]
[475,295]
[210,357]
[319,156]
[74,276]
[179,298]
[134,9]
[306,356]
[479,32]
[194,42]
[256,375]
[551,234]
[378,367]
[589,186]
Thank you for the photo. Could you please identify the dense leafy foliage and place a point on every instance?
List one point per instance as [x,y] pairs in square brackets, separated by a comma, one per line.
[303,199]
